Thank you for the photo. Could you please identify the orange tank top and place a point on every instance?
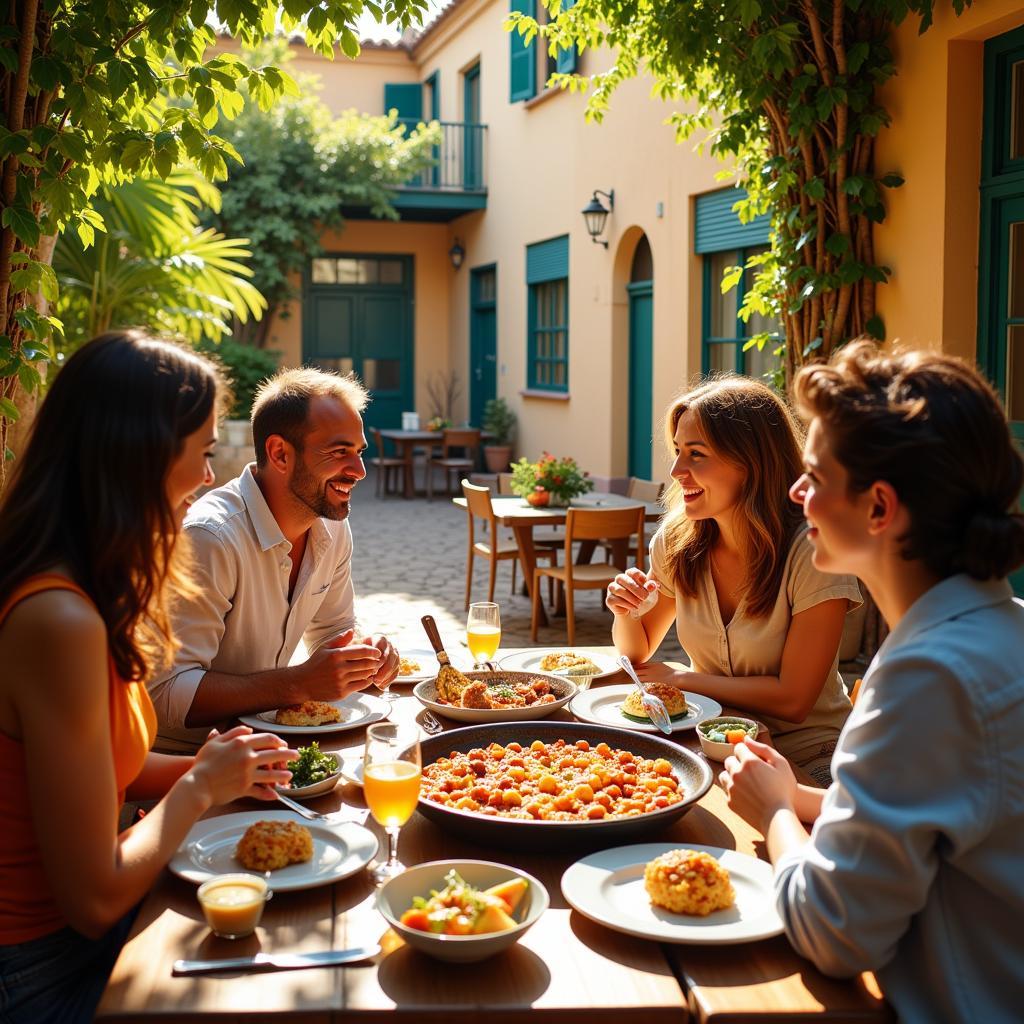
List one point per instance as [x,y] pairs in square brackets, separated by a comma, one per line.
[27,909]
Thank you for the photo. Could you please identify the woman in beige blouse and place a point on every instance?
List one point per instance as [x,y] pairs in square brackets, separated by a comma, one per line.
[732,566]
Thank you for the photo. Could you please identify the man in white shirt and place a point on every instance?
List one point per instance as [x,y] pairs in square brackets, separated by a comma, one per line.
[272,563]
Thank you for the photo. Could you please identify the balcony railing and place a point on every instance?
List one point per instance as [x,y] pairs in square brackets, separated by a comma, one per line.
[459,160]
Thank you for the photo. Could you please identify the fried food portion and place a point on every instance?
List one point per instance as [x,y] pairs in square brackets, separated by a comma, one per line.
[450,684]
[569,663]
[500,692]
[408,667]
[688,882]
[309,712]
[475,696]
[671,696]
[269,845]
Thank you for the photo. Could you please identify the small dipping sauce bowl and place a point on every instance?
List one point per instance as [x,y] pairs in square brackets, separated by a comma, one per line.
[233,904]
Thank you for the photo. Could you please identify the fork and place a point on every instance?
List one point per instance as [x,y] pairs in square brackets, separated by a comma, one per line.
[353,813]
[430,722]
[654,706]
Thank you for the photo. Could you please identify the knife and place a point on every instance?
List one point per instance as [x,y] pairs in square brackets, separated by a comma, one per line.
[276,961]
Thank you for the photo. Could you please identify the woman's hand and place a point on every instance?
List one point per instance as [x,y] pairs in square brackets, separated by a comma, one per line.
[659,672]
[242,763]
[629,590]
[758,781]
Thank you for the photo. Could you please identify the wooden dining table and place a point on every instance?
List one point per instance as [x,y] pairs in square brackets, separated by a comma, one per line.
[522,519]
[406,442]
[566,970]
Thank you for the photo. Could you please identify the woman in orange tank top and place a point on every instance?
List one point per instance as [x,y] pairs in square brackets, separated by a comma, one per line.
[90,556]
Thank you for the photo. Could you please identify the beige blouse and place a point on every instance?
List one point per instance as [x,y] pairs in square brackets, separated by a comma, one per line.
[751,646]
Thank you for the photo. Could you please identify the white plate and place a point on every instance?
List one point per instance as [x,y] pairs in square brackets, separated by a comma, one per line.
[529,661]
[357,710]
[352,771]
[603,706]
[315,789]
[426,694]
[339,850]
[608,887]
[428,664]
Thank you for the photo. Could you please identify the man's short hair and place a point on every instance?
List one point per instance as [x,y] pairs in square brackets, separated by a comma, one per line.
[282,402]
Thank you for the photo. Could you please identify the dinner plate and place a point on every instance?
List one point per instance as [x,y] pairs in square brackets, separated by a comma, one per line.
[608,887]
[352,771]
[603,706]
[563,689]
[529,661]
[428,664]
[339,850]
[358,709]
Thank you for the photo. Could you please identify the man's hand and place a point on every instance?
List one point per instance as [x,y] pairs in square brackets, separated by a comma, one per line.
[390,662]
[339,668]
[758,782]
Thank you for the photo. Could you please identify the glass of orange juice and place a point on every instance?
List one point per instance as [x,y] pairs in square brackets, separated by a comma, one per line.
[483,631]
[391,786]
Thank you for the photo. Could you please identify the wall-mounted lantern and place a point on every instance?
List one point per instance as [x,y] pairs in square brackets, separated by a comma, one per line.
[595,214]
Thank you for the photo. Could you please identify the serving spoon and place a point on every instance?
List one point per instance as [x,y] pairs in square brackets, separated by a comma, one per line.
[654,706]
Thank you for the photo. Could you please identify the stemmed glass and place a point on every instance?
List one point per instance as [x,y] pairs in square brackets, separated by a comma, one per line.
[391,786]
[483,631]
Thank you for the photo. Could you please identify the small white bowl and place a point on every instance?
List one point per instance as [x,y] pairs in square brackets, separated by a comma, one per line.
[720,751]
[396,896]
[317,788]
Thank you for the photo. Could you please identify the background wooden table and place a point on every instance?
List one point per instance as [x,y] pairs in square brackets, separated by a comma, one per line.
[565,970]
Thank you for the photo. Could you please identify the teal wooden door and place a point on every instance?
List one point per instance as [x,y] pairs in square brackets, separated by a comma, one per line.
[483,341]
[472,141]
[641,371]
[358,318]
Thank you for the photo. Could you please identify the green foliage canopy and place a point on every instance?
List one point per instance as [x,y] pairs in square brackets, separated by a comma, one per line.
[82,84]
[786,91]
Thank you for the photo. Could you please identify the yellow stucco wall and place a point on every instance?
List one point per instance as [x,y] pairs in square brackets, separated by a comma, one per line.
[930,236]
[542,163]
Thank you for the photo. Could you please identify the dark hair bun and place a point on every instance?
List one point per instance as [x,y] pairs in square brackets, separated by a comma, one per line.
[993,545]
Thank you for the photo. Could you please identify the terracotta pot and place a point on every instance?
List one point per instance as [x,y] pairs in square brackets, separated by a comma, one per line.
[497,457]
[538,499]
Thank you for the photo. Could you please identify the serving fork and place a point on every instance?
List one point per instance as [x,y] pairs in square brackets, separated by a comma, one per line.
[344,814]
[654,706]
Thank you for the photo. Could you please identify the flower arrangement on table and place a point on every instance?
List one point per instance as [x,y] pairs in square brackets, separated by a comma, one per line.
[437,424]
[549,481]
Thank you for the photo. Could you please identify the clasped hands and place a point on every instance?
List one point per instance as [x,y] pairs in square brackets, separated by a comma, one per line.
[340,667]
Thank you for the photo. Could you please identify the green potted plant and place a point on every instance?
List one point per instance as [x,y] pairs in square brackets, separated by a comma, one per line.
[500,423]
[549,481]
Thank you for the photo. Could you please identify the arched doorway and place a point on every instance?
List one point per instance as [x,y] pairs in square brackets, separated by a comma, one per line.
[641,358]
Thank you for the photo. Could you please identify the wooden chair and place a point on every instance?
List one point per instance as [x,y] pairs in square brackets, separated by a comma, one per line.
[588,524]
[641,490]
[459,452]
[495,550]
[386,465]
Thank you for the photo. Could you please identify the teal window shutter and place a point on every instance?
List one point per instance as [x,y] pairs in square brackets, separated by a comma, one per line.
[547,261]
[566,60]
[522,57]
[406,98]
[718,226]
[547,344]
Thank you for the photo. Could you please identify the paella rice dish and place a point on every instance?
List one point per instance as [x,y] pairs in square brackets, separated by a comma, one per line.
[688,882]
[556,781]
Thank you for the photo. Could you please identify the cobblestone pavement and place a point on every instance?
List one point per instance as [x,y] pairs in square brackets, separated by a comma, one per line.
[410,561]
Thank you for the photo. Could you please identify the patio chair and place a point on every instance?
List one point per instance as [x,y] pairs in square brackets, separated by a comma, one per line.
[588,524]
[458,458]
[494,549]
[641,490]
[387,466]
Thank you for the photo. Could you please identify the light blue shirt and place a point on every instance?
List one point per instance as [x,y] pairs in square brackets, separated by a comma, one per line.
[915,868]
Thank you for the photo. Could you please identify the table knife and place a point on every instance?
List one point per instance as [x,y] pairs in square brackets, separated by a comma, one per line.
[276,961]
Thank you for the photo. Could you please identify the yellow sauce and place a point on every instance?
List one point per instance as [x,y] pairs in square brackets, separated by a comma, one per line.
[233,904]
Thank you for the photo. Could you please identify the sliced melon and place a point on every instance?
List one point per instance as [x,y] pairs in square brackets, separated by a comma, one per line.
[511,891]
[492,919]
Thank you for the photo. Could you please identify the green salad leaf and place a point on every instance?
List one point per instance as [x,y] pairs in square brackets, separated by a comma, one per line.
[312,766]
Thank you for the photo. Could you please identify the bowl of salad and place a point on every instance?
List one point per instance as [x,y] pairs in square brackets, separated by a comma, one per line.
[463,910]
[314,773]
[718,736]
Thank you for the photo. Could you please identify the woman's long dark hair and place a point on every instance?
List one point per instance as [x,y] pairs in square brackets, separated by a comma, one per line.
[747,424]
[89,492]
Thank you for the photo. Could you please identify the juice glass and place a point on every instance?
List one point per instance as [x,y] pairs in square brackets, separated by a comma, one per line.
[391,786]
[483,631]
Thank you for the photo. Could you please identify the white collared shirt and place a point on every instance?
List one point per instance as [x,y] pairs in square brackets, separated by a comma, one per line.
[914,866]
[243,620]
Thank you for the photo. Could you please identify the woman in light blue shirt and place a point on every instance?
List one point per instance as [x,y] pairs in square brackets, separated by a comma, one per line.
[914,862]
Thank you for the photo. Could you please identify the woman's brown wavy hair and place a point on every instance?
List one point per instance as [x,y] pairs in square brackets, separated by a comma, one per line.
[748,425]
[89,492]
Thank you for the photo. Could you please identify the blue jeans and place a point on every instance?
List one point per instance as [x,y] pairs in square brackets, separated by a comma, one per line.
[58,978]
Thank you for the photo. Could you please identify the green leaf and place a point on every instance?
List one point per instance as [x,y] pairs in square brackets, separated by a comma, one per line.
[9,411]
[750,10]
[838,245]
[120,77]
[46,72]
[15,144]
[875,327]
[892,180]
[23,223]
